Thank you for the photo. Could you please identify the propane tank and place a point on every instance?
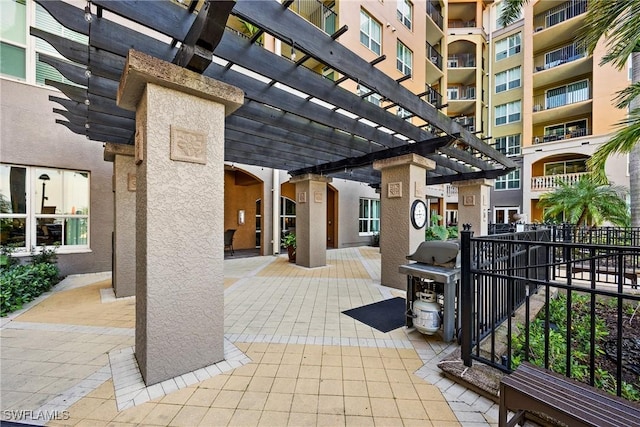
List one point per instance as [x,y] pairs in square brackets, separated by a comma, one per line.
[427,312]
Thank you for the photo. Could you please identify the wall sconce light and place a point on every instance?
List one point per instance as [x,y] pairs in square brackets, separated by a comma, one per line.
[241,217]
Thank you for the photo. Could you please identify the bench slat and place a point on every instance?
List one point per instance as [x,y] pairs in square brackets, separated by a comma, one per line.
[532,388]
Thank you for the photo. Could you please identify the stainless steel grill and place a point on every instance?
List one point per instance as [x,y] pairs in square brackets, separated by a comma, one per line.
[439,253]
[437,267]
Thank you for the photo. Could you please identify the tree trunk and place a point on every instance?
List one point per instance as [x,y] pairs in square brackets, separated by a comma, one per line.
[634,155]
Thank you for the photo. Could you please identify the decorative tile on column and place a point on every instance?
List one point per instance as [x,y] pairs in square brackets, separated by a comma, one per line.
[188,146]
[394,190]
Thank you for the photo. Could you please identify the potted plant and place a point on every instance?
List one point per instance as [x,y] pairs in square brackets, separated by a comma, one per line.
[289,242]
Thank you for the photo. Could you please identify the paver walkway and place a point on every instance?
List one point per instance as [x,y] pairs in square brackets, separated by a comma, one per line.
[310,365]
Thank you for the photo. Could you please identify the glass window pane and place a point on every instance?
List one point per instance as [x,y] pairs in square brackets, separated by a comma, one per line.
[13,16]
[46,71]
[76,192]
[75,231]
[13,189]
[13,232]
[13,61]
[49,231]
[48,191]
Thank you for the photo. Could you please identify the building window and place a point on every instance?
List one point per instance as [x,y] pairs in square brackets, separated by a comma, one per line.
[44,206]
[16,52]
[569,94]
[502,215]
[566,167]
[370,32]
[287,215]
[508,113]
[510,181]
[452,93]
[369,217]
[405,12]
[509,79]
[508,145]
[13,39]
[404,114]
[373,98]
[508,46]
[405,59]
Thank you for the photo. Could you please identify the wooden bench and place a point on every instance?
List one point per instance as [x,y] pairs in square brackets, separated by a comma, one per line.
[533,389]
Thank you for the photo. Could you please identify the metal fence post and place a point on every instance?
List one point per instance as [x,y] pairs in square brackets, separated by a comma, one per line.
[466,295]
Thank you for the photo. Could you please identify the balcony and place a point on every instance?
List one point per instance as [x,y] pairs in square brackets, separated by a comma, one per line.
[559,14]
[560,136]
[317,13]
[450,191]
[436,15]
[564,100]
[433,97]
[461,24]
[551,182]
[565,19]
[467,122]
[434,56]
[461,60]
[557,57]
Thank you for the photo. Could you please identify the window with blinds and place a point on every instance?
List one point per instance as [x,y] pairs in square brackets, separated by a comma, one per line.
[45,22]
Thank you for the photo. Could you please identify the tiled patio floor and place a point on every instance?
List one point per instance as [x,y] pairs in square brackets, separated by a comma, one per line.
[310,365]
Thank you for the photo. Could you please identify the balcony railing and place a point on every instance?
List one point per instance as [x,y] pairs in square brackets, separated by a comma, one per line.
[464,93]
[555,136]
[557,57]
[467,122]
[435,15]
[559,97]
[434,56]
[317,13]
[433,97]
[450,190]
[456,23]
[460,60]
[559,14]
[550,182]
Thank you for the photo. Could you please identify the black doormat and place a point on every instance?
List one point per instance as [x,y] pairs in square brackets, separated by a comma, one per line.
[384,315]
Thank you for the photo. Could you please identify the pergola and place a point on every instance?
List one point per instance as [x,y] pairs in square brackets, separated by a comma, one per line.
[293,118]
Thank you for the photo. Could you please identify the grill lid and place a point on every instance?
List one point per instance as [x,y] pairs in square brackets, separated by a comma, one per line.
[440,253]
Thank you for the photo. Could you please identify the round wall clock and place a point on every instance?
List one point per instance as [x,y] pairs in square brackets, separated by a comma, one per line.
[418,214]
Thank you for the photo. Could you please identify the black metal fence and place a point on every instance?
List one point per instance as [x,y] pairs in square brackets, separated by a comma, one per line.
[507,278]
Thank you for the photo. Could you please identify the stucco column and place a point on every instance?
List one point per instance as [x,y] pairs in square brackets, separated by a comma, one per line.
[474,203]
[311,219]
[179,224]
[124,218]
[403,181]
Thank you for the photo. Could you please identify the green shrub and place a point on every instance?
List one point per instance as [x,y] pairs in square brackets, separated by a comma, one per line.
[580,341]
[20,284]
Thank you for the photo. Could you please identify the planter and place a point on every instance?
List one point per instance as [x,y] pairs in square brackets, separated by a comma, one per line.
[291,251]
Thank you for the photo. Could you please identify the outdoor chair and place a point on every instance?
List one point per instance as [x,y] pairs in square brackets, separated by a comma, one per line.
[228,239]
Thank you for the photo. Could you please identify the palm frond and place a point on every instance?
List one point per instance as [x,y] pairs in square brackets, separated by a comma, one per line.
[511,11]
[621,143]
[617,21]
[625,96]
[587,202]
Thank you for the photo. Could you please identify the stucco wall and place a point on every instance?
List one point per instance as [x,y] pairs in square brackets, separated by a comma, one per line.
[349,194]
[29,136]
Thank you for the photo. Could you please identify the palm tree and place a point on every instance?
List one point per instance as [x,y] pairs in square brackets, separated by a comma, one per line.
[586,202]
[617,21]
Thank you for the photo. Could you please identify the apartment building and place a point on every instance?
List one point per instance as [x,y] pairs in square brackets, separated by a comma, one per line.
[528,89]
[551,103]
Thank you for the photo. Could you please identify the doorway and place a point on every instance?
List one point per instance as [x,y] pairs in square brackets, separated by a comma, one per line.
[332,215]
